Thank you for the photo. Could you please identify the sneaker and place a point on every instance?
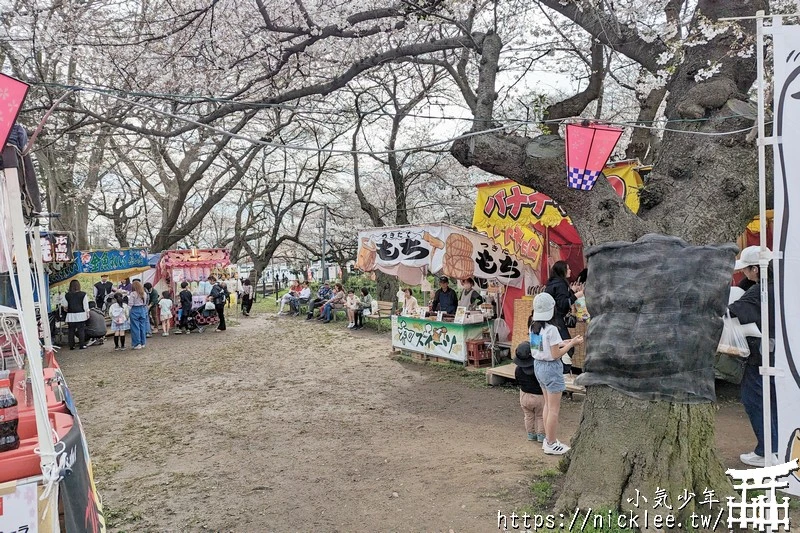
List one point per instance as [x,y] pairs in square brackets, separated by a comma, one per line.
[187,332]
[177,332]
[350,325]
[540,437]
[556,448]
[82,347]
[165,334]
[531,436]
[753,459]
[138,347]
[149,335]
[116,348]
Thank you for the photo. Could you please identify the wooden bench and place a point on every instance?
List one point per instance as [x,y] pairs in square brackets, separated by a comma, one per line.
[385,311]
[505,373]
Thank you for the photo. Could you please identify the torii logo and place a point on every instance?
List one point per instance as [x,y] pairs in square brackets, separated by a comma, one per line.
[763,511]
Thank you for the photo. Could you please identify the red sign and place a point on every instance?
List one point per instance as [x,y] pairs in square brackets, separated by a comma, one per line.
[12,93]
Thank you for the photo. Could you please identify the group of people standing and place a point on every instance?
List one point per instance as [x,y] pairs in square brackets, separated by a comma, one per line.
[140,309]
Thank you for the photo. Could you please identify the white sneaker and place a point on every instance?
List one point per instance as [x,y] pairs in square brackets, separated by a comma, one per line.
[165,334]
[756,460]
[752,459]
[556,448]
[138,347]
[350,325]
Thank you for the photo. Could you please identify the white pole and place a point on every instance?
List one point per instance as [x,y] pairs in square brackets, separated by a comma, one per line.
[765,256]
[28,318]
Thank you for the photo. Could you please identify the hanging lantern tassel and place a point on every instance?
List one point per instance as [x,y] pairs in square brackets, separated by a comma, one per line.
[588,148]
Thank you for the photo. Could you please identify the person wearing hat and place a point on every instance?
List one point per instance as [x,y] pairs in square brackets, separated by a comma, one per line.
[444,299]
[547,348]
[531,398]
[470,298]
[102,290]
[748,310]
[747,264]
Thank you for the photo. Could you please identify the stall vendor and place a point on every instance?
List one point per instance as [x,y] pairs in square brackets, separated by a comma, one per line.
[102,290]
[470,298]
[444,299]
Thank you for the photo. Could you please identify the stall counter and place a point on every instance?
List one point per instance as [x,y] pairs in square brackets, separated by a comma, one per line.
[431,337]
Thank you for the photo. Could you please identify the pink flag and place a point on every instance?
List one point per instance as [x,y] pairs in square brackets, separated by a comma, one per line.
[12,93]
[588,150]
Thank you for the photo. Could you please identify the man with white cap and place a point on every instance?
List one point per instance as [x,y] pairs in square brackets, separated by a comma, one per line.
[748,310]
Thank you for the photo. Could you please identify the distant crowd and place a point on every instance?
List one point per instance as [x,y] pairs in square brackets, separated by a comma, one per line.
[328,301]
[141,309]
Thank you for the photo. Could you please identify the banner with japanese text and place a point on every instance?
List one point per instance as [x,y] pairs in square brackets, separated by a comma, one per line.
[439,248]
[786,239]
[440,339]
[508,213]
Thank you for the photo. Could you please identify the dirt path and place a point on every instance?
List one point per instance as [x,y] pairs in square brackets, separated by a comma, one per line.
[286,425]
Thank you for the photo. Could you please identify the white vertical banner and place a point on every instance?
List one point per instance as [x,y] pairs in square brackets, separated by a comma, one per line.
[786,240]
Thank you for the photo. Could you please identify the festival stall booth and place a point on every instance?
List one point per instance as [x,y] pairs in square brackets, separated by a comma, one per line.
[88,266]
[412,252]
[538,232]
[194,267]
[44,461]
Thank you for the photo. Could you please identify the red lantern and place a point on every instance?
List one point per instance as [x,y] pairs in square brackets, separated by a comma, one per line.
[588,148]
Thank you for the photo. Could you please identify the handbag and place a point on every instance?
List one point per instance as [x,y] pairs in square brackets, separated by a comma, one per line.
[210,306]
[570,320]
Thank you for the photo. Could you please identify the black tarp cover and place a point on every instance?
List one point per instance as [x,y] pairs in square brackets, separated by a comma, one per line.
[656,306]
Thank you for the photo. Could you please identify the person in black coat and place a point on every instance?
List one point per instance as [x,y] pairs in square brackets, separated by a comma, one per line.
[558,287]
[748,310]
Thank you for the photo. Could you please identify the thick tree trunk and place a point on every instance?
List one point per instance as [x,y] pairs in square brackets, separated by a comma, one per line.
[623,445]
[386,287]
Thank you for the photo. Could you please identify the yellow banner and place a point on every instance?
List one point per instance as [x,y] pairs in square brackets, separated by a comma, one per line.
[508,211]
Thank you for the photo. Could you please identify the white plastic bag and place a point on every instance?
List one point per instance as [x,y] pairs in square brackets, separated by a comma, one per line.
[733,341]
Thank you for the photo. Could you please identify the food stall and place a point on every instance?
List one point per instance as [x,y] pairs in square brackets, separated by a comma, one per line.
[193,266]
[412,252]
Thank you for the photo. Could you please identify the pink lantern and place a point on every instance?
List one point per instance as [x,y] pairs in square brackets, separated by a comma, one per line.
[12,93]
[588,148]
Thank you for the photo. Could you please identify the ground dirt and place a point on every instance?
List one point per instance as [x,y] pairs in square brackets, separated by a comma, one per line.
[280,424]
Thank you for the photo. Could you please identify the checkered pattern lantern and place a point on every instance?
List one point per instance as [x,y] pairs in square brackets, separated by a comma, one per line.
[588,148]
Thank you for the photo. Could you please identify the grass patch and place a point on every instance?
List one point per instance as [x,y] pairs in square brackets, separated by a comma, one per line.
[450,371]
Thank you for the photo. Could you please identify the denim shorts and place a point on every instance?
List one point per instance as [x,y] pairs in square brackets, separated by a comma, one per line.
[550,375]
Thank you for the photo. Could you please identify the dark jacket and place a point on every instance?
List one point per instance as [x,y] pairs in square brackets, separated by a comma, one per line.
[564,296]
[445,301]
[186,299]
[748,310]
[527,382]
[218,294]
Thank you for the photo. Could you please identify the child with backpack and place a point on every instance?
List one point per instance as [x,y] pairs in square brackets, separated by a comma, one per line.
[531,397]
[165,310]
[120,320]
[547,348]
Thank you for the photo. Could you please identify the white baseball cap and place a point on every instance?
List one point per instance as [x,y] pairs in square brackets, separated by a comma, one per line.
[749,257]
[543,307]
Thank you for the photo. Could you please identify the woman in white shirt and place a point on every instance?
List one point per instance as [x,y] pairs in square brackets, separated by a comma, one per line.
[410,304]
[547,348]
[76,304]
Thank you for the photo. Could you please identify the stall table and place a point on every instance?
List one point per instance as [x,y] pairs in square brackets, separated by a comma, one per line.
[447,340]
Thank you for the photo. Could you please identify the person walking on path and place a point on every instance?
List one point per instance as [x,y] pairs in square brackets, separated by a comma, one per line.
[138,300]
[219,297]
[247,297]
[76,304]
